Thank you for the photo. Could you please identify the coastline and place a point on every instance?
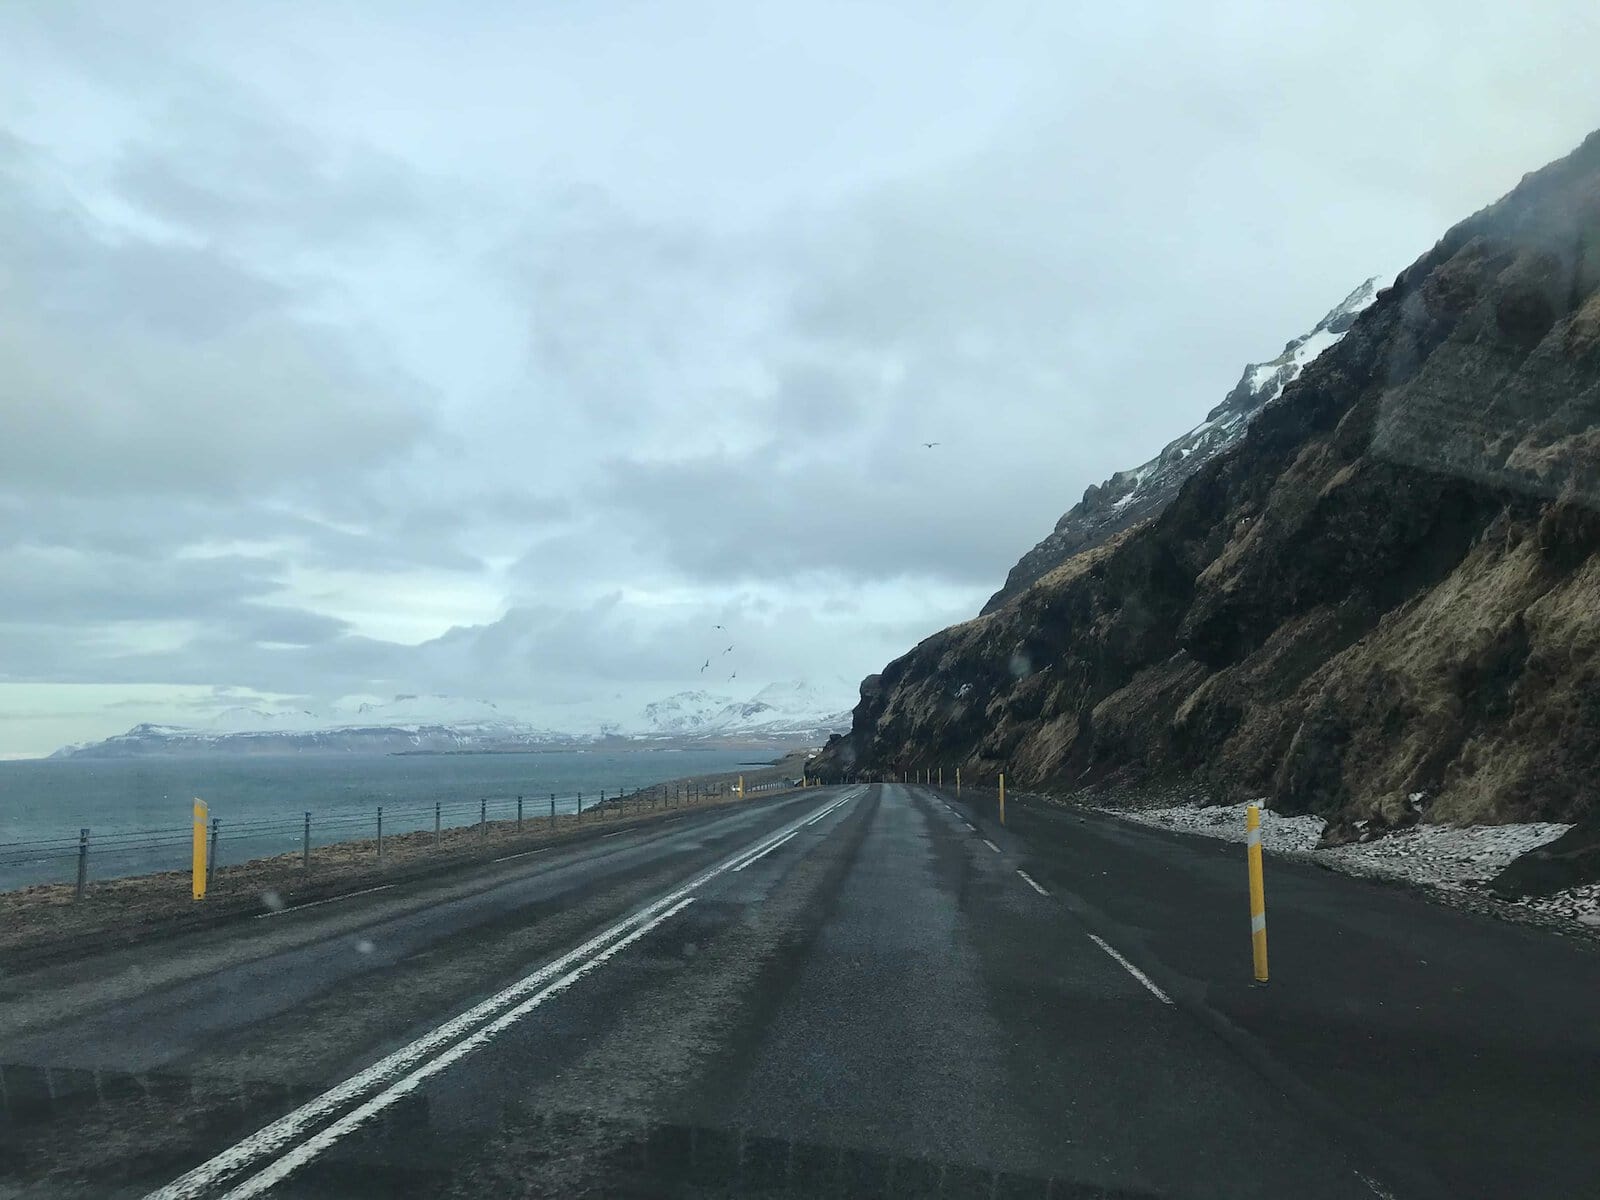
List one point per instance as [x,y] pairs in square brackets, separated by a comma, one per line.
[43,922]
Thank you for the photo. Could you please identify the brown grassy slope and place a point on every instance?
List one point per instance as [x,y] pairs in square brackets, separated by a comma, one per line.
[1389,587]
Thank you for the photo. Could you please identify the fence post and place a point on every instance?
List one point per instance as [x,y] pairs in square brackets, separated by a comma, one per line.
[519,814]
[1258,892]
[211,859]
[580,806]
[435,822]
[198,855]
[741,787]
[483,816]
[1002,798]
[552,810]
[83,862]
[958,783]
[305,845]
[380,833]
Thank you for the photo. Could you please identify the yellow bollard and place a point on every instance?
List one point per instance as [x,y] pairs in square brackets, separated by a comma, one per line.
[1258,892]
[201,812]
[741,787]
[941,776]
[1002,799]
[958,783]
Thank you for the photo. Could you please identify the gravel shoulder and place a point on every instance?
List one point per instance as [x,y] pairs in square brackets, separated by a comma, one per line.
[1454,864]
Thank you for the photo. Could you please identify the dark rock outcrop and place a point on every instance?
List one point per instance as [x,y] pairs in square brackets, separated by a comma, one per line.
[1389,586]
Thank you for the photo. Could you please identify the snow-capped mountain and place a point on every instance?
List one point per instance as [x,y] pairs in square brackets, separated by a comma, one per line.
[788,710]
[411,711]
[1130,496]
[683,712]
[778,713]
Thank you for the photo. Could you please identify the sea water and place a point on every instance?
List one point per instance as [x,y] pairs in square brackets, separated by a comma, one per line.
[138,810]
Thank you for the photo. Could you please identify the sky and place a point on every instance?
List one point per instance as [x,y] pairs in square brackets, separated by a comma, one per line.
[503,351]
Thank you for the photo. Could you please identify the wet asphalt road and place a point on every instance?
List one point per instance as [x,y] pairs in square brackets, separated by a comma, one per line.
[860,991]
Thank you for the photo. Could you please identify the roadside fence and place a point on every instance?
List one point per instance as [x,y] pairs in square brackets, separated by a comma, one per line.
[116,853]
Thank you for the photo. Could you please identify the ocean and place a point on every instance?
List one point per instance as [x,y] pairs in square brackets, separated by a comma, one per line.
[137,811]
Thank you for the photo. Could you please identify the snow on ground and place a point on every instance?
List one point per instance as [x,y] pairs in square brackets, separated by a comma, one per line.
[1226,821]
[1437,856]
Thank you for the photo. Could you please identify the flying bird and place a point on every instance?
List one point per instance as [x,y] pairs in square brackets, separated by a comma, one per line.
[930,445]
[729,650]
[719,627]
[704,665]
[735,675]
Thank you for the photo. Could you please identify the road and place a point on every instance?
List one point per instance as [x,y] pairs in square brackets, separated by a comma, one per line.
[874,990]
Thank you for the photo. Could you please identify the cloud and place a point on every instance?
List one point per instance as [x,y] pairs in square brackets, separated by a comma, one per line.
[137,365]
[345,352]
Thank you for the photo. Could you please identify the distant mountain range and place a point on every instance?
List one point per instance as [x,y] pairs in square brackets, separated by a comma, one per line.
[791,713]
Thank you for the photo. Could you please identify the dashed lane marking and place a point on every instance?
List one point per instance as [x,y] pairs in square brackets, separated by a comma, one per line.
[1031,882]
[1131,969]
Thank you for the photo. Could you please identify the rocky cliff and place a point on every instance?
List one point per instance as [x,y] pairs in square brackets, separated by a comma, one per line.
[1128,497]
[1381,605]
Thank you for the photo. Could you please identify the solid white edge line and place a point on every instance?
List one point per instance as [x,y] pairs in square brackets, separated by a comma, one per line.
[757,857]
[829,810]
[272,1138]
[1131,969]
[991,845]
[278,912]
[1029,880]
[280,1169]
[522,854]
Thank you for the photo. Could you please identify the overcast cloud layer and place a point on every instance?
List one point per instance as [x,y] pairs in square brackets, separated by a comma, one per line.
[502,350]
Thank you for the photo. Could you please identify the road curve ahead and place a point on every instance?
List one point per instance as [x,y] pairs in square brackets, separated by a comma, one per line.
[853,992]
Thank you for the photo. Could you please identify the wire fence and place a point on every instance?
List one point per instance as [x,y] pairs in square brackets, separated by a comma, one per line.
[117,853]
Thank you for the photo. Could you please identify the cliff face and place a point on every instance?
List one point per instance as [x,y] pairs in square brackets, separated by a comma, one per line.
[1382,604]
[1128,497]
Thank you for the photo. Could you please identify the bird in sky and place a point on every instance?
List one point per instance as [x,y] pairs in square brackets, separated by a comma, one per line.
[734,676]
[729,650]
[704,665]
[930,445]
[719,626]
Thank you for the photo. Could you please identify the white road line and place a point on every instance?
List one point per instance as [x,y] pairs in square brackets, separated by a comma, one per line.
[524,854]
[1131,969]
[618,833]
[825,812]
[278,912]
[1029,880]
[991,845]
[276,1137]
[280,1170]
[970,826]
[1378,1189]
[755,857]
